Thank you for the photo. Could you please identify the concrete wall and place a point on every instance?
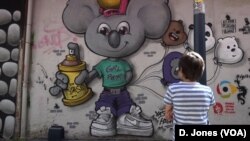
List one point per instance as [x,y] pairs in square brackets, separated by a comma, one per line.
[228,76]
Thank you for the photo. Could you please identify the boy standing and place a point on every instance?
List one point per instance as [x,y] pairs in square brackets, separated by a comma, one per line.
[188,101]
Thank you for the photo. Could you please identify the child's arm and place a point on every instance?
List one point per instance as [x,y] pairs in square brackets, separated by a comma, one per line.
[169,112]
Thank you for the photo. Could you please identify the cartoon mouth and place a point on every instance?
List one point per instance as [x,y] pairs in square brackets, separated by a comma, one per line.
[173,36]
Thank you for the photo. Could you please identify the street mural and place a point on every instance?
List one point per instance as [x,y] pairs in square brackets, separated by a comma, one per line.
[121,28]
[117,31]
[74,94]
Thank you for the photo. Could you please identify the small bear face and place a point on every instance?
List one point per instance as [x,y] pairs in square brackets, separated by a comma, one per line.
[228,51]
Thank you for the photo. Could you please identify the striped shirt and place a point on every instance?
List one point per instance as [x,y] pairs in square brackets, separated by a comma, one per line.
[190,101]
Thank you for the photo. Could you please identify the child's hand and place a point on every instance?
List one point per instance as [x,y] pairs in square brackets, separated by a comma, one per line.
[169,112]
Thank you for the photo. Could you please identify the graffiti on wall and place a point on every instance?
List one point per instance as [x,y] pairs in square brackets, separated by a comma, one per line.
[241,96]
[74,94]
[228,25]
[162,122]
[118,29]
[53,38]
[246,28]
[115,31]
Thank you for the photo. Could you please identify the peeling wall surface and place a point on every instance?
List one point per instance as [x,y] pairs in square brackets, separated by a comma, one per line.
[125,94]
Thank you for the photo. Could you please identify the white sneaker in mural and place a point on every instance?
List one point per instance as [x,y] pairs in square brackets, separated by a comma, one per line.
[104,124]
[134,124]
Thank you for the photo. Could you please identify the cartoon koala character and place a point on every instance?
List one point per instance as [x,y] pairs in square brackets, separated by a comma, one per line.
[227,51]
[116,37]
[209,37]
[175,34]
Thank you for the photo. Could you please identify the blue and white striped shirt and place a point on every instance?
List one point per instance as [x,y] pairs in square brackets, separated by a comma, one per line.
[191,102]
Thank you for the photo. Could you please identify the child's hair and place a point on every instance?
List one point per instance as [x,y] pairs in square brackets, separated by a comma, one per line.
[192,66]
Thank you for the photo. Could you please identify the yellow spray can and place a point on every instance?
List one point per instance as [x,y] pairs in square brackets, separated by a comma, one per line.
[71,66]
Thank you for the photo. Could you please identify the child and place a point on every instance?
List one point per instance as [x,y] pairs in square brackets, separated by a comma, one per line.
[188,101]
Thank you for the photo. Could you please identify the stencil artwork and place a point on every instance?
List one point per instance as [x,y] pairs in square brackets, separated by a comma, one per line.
[246,28]
[228,25]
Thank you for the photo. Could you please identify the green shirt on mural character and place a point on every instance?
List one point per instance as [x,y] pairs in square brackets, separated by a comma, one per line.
[113,72]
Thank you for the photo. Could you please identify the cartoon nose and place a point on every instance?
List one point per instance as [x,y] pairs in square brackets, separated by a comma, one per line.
[233,49]
[114,39]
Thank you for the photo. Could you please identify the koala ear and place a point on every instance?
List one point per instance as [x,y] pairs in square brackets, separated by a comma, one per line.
[154,15]
[78,14]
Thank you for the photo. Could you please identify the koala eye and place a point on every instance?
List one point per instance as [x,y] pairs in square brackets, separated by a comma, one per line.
[104,29]
[123,28]
[228,47]
[207,34]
